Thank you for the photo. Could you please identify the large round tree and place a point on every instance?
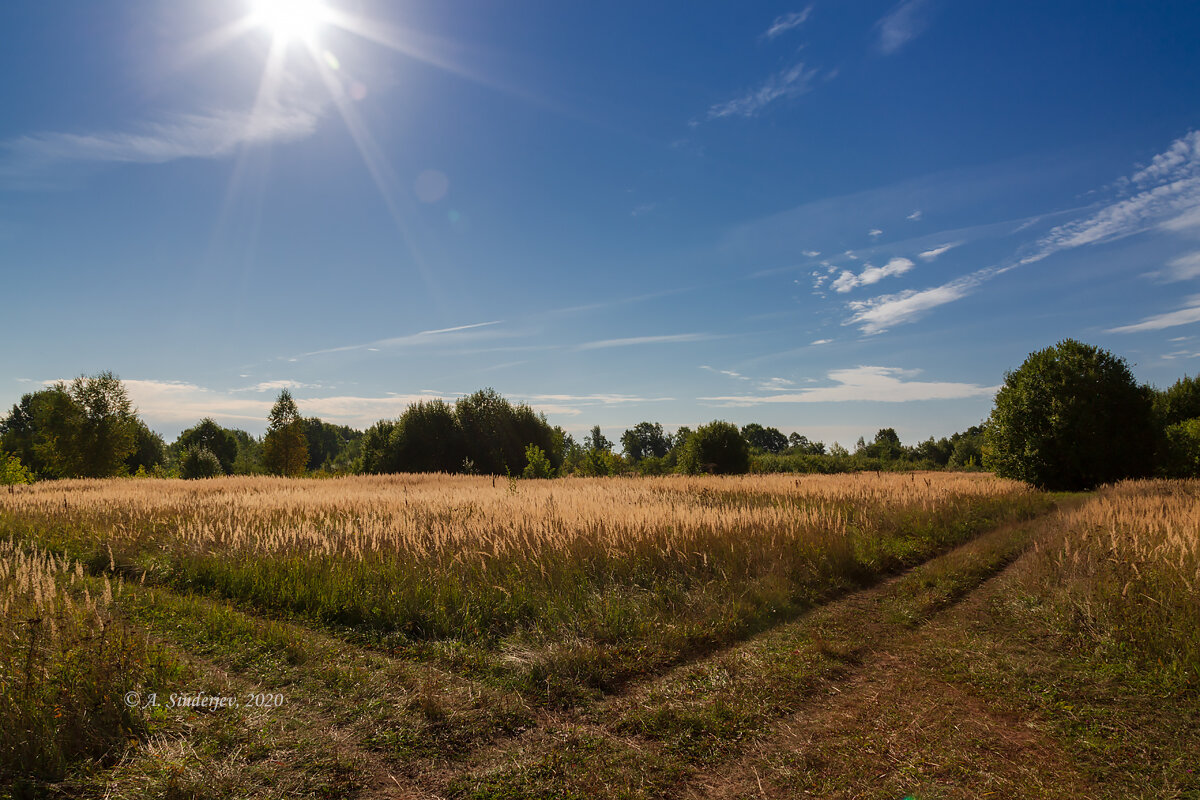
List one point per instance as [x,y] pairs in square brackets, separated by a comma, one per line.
[1071,418]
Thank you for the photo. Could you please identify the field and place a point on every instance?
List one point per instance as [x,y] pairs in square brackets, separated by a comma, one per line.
[432,636]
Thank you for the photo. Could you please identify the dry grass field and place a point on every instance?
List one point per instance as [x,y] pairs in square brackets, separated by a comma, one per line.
[438,636]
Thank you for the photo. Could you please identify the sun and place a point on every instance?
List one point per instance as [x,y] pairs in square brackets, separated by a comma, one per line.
[289,19]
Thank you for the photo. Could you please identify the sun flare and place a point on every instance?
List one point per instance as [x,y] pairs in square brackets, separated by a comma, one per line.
[289,19]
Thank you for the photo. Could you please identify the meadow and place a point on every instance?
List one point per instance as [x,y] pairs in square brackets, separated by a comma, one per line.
[455,620]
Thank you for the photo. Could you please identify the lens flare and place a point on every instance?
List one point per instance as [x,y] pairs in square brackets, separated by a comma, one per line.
[290,19]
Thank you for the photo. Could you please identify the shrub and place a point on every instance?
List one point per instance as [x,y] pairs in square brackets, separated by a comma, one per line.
[717,448]
[199,462]
[1071,417]
[537,464]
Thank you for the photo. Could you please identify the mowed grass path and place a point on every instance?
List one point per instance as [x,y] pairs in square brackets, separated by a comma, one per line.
[558,701]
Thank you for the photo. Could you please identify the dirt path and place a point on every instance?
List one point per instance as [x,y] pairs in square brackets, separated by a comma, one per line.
[895,728]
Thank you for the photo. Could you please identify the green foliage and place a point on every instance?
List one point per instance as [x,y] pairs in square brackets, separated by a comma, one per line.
[428,438]
[645,440]
[598,464]
[596,440]
[764,440]
[149,450]
[801,444]
[285,447]
[210,436]
[13,472]
[537,465]
[84,429]
[1178,403]
[1071,417]
[1180,457]
[716,448]
[330,447]
[886,446]
[199,462]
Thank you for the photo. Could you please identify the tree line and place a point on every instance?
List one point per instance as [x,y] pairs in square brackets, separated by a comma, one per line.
[1071,417]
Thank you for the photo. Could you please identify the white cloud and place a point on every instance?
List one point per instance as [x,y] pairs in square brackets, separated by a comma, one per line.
[812,253]
[820,341]
[914,216]
[871,384]
[900,26]
[636,340]
[213,135]
[271,386]
[930,255]
[787,22]
[728,372]
[1183,268]
[874,232]
[603,399]
[878,314]
[1170,200]
[1187,315]
[791,82]
[848,280]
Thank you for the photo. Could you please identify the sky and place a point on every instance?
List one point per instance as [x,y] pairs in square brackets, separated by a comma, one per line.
[826,217]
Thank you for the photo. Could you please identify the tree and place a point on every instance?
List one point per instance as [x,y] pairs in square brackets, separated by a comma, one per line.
[645,440]
[803,445]
[717,447]
[12,471]
[886,446]
[595,440]
[1180,456]
[285,448]
[537,464]
[149,450]
[210,436]
[428,438]
[199,462]
[1071,417]
[766,440]
[1178,403]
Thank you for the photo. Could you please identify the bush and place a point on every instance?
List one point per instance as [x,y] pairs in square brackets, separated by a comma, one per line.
[537,464]
[199,462]
[1181,450]
[716,448]
[1071,417]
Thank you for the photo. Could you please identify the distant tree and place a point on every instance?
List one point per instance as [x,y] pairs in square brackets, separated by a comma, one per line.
[285,448]
[717,447]
[210,436]
[249,460]
[328,444]
[935,451]
[428,438]
[837,451]
[801,444]
[377,455]
[1180,455]
[1071,417]
[766,440]
[645,440]
[966,449]
[595,440]
[1179,402]
[885,446]
[199,462]
[149,450]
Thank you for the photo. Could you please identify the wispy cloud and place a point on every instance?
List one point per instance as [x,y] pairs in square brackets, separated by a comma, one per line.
[848,280]
[914,216]
[603,399]
[875,233]
[727,372]
[820,341]
[787,22]
[213,135]
[878,314]
[1170,199]
[791,82]
[273,386]
[866,383]
[931,254]
[903,24]
[1187,315]
[1183,268]
[437,336]
[636,340]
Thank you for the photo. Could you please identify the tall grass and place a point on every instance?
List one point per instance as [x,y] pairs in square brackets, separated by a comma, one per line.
[1127,564]
[66,661]
[567,582]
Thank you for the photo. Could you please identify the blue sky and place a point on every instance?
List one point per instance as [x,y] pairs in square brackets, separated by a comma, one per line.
[827,217]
